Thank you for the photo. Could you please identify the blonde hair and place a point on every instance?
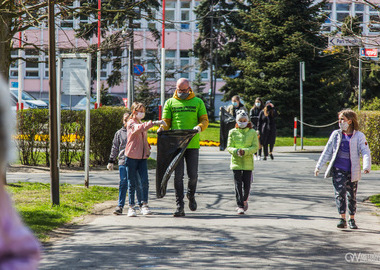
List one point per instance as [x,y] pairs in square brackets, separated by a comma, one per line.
[236,97]
[350,115]
[136,106]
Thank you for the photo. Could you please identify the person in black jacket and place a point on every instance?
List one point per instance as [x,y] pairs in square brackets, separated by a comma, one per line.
[267,128]
[236,106]
[254,116]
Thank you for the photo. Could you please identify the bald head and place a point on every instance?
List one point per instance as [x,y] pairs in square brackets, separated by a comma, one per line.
[183,83]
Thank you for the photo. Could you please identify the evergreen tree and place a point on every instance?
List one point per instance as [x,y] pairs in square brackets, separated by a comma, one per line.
[280,35]
[198,86]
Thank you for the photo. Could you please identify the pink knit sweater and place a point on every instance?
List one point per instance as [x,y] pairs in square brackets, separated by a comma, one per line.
[137,146]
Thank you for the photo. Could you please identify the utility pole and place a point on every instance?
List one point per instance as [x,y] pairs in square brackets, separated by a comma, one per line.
[130,65]
[53,129]
[212,103]
[163,56]
[360,81]
[302,79]
[98,59]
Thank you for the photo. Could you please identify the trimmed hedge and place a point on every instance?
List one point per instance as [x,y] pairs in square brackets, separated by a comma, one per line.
[369,123]
[33,139]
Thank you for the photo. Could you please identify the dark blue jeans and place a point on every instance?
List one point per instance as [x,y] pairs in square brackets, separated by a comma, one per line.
[136,167]
[123,187]
[191,156]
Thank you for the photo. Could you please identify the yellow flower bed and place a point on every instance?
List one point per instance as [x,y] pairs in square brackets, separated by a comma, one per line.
[74,137]
[44,137]
[153,141]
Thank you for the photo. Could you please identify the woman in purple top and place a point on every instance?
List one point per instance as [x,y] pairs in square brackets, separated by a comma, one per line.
[343,150]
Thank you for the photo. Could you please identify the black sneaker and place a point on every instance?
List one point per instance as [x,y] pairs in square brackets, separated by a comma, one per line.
[179,212]
[271,156]
[192,202]
[342,223]
[118,210]
[265,158]
[352,224]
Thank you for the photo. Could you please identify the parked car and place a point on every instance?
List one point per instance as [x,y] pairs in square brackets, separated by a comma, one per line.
[29,101]
[111,100]
[64,106]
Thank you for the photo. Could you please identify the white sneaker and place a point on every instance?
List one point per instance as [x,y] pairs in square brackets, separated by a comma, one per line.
[145,210]
[254,157]
[258,157]
[240,211]
[131,212]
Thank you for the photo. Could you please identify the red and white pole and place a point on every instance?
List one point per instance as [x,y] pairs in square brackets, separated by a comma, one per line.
[163,56]
[295,133]
[98,60]
[20,104]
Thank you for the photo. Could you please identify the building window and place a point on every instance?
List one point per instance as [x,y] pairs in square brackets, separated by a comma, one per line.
[374,21]
[46,67]
[170,14]
[327,11]
[184,64]
[342,11]
[170,59]
[32,63]
[185,15]
[151,63]
[359,12]
[13,69]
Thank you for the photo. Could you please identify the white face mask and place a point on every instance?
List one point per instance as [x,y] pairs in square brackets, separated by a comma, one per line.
[343,126]
[257,104]
[242,124]
[140,115]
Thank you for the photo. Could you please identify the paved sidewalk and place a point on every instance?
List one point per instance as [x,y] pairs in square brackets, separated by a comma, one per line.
[290,224]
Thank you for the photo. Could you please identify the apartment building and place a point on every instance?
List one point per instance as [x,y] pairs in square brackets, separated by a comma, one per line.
[181,33]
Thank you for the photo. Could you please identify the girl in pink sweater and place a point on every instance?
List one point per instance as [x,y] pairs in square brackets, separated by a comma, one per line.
[137,152]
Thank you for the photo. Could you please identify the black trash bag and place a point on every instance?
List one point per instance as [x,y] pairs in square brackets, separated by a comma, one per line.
[227,122]
[171,146]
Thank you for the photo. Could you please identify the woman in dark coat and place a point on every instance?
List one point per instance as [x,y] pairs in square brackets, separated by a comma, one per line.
[254,116]
[267,128]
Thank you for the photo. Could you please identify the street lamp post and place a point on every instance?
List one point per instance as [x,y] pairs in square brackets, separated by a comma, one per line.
[98,59]
[53,129]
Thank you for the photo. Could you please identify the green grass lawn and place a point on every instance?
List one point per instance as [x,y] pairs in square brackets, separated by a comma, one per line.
[375,199]
[34,204]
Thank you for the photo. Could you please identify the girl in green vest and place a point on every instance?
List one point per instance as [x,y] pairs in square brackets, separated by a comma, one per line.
[242,144]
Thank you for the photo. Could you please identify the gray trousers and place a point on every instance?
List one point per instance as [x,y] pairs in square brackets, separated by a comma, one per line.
[344,187]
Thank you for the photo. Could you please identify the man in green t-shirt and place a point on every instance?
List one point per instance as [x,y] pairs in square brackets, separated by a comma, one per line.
[185,111]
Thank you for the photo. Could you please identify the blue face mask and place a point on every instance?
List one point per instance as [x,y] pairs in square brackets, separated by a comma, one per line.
[183,95]
[242,124]
[235,104]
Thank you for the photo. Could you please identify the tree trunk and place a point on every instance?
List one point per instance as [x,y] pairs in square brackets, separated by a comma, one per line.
[5,45]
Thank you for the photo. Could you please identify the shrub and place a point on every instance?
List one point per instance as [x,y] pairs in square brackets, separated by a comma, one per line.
[32,128]
[369,122]
[105,121]
[33,134]
[72,137]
